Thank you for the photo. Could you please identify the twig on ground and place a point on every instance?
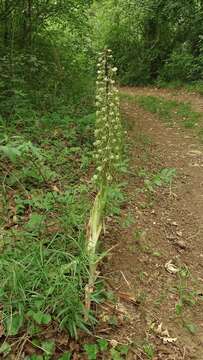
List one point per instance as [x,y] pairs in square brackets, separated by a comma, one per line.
[194,235]
[127,282]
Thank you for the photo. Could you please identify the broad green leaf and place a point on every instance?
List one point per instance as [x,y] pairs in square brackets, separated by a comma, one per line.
[91,351]
[5,348]
[149,350]
[123,349]
[40,317]
[48,347]
[14,323]
[11,152]
[34,222]
[103,344]
[115,354]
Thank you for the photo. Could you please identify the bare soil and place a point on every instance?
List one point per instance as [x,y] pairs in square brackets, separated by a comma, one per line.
[159,227]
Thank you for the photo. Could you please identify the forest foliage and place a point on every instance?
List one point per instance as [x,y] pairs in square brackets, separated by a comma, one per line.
[153,40]
[48,48]
[46,55]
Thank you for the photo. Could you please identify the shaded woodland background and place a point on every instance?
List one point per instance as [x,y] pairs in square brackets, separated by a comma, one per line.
[48,49]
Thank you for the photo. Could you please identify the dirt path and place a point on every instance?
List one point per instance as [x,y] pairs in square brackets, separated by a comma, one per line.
[160,224]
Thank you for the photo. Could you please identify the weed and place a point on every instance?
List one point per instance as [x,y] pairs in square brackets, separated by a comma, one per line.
[118,352]
[5,349]
[149,350]
[138,234]
[187,296]
[163,178]
[103,344]
[91,351]
[128,221]
[102,347]
[116,198]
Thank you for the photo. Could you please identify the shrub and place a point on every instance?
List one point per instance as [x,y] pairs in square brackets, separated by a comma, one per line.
[180,66]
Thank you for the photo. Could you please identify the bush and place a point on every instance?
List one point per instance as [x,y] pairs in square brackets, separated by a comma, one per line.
[180,66]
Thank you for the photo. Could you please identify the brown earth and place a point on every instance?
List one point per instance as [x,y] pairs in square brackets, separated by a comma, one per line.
[159,226]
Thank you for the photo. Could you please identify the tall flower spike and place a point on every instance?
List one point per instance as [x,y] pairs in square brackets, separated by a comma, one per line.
[108,130]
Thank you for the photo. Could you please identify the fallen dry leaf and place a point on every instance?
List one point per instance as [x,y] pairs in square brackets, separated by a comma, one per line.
[164,334]
[127,297]
[171,268]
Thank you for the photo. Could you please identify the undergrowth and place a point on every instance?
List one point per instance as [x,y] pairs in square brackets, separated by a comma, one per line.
[46,195]
[45,200]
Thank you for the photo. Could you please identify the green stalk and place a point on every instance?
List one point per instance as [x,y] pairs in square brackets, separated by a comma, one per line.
[94,230]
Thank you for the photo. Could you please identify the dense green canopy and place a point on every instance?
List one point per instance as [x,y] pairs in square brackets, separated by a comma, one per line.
[48,47]
[154,38]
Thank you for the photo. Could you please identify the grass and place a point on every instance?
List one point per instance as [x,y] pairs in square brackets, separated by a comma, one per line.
[45,202]
[195,86]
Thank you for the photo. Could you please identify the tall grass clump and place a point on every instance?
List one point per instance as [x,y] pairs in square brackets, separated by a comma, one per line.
[107,155]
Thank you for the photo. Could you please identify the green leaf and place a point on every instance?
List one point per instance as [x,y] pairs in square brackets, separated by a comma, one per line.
[156,254]
[115,355]
[91,351]
[14,323]
[103,344]
[11,152]
[34,222]
[48,347]
[178,308]
[33,328]
[191,328]
[123,349]
[149,350]
[35,357]
[65,356]
[157,181]
[40,317]
[5,348]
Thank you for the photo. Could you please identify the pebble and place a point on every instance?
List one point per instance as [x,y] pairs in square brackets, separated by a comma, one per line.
[182,244]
